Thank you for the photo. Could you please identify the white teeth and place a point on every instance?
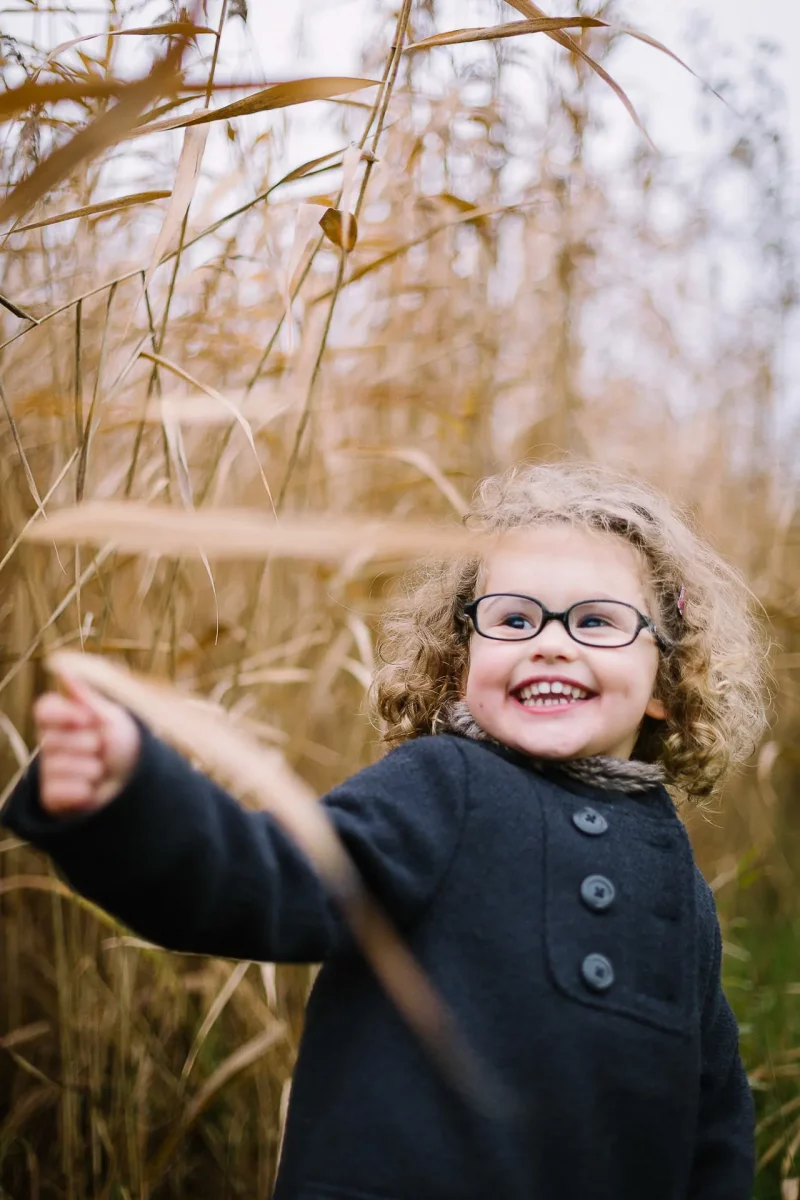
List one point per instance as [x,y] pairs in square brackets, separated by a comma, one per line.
[546,693]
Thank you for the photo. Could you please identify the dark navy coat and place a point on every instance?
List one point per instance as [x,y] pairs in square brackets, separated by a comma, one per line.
[568,930]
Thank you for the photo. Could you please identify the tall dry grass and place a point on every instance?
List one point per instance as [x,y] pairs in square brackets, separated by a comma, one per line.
[206,345]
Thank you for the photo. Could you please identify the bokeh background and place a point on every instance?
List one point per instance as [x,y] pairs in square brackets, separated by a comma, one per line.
[532,278]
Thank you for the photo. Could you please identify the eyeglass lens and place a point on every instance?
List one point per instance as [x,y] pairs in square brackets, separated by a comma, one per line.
[595,623]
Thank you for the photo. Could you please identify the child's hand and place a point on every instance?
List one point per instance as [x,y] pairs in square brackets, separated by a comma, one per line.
[89,748]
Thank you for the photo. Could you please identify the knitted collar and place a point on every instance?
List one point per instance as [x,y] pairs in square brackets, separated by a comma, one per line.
[627,775]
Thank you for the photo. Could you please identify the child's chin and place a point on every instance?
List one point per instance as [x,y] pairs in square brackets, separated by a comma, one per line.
[553,748]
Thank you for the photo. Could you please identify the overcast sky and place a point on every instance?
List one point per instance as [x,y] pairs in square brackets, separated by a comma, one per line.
[332,31]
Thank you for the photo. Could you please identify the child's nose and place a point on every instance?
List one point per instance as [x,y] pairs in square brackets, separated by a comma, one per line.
[553,642]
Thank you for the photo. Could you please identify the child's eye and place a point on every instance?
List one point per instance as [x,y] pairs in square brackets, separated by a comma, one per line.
[593,621]
[516,621]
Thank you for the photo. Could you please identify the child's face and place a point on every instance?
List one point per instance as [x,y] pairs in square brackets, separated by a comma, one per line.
[561,566]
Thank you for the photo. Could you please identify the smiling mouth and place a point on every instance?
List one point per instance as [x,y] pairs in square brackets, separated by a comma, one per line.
[554,695]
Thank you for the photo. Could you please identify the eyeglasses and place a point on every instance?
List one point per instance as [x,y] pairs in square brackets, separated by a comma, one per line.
[506,617]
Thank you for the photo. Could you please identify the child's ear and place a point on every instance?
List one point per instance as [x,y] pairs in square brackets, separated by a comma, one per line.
[656,709]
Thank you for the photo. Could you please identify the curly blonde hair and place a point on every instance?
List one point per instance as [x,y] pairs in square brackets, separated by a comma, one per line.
[712,680]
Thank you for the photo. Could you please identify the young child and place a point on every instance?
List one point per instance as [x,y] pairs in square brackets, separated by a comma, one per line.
[520,837]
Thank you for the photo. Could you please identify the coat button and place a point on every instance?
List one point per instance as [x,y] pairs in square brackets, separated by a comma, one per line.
[597,892]
[597,972]
[590,821]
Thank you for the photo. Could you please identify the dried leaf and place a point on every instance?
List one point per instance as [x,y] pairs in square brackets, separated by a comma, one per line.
[306,168]
[46,883]
[15,740]
[532,11]
[25,1033]
[220,1000]
[177,453]
[350,164]
[170,29]
[93,139]
[513,29]
[90,210]
[472,217]
[183,189]
[308,218]
[40,503]
[768,755]
[31,95]
[243,1057]
[34,95]
[170,413]
[17,311]
[471,211]
[279,95]
[424,463]
[651,41]
[248,533]
[340,228]
[196,410]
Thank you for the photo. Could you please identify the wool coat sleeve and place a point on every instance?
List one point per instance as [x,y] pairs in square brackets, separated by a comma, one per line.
[724,1159]
[178,860]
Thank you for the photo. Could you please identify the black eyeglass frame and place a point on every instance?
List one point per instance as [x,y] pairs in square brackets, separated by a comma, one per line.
[471,610]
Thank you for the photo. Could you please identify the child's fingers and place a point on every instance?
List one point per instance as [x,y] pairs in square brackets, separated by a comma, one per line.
[70,783]
[72,741]
[90,747]
[69,794]
[58,712]
[58,768]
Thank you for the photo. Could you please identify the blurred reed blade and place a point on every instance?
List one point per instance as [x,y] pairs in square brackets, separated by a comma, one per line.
[33,95]
[239,1060]
[545,25]
[279,95]
[91,210]
[309,218]
[247,533]
[170,413]
[251,769]
[532,12]
[307,167]
[651,41]
[183,189]
[424,463]
[208,408]
[183,29]
[513,29]
[25,1034]
[90,141]
[234,979]
[16,310]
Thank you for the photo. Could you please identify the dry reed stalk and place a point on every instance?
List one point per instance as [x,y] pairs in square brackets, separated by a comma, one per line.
[138,528]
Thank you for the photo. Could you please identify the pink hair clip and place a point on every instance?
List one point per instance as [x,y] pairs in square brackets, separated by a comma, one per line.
[681,602]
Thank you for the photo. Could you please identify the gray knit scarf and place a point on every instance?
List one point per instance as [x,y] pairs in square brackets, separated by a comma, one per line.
[608,774]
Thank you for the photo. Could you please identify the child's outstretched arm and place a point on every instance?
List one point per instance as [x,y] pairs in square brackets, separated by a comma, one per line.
[724,1165]
[140,833]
